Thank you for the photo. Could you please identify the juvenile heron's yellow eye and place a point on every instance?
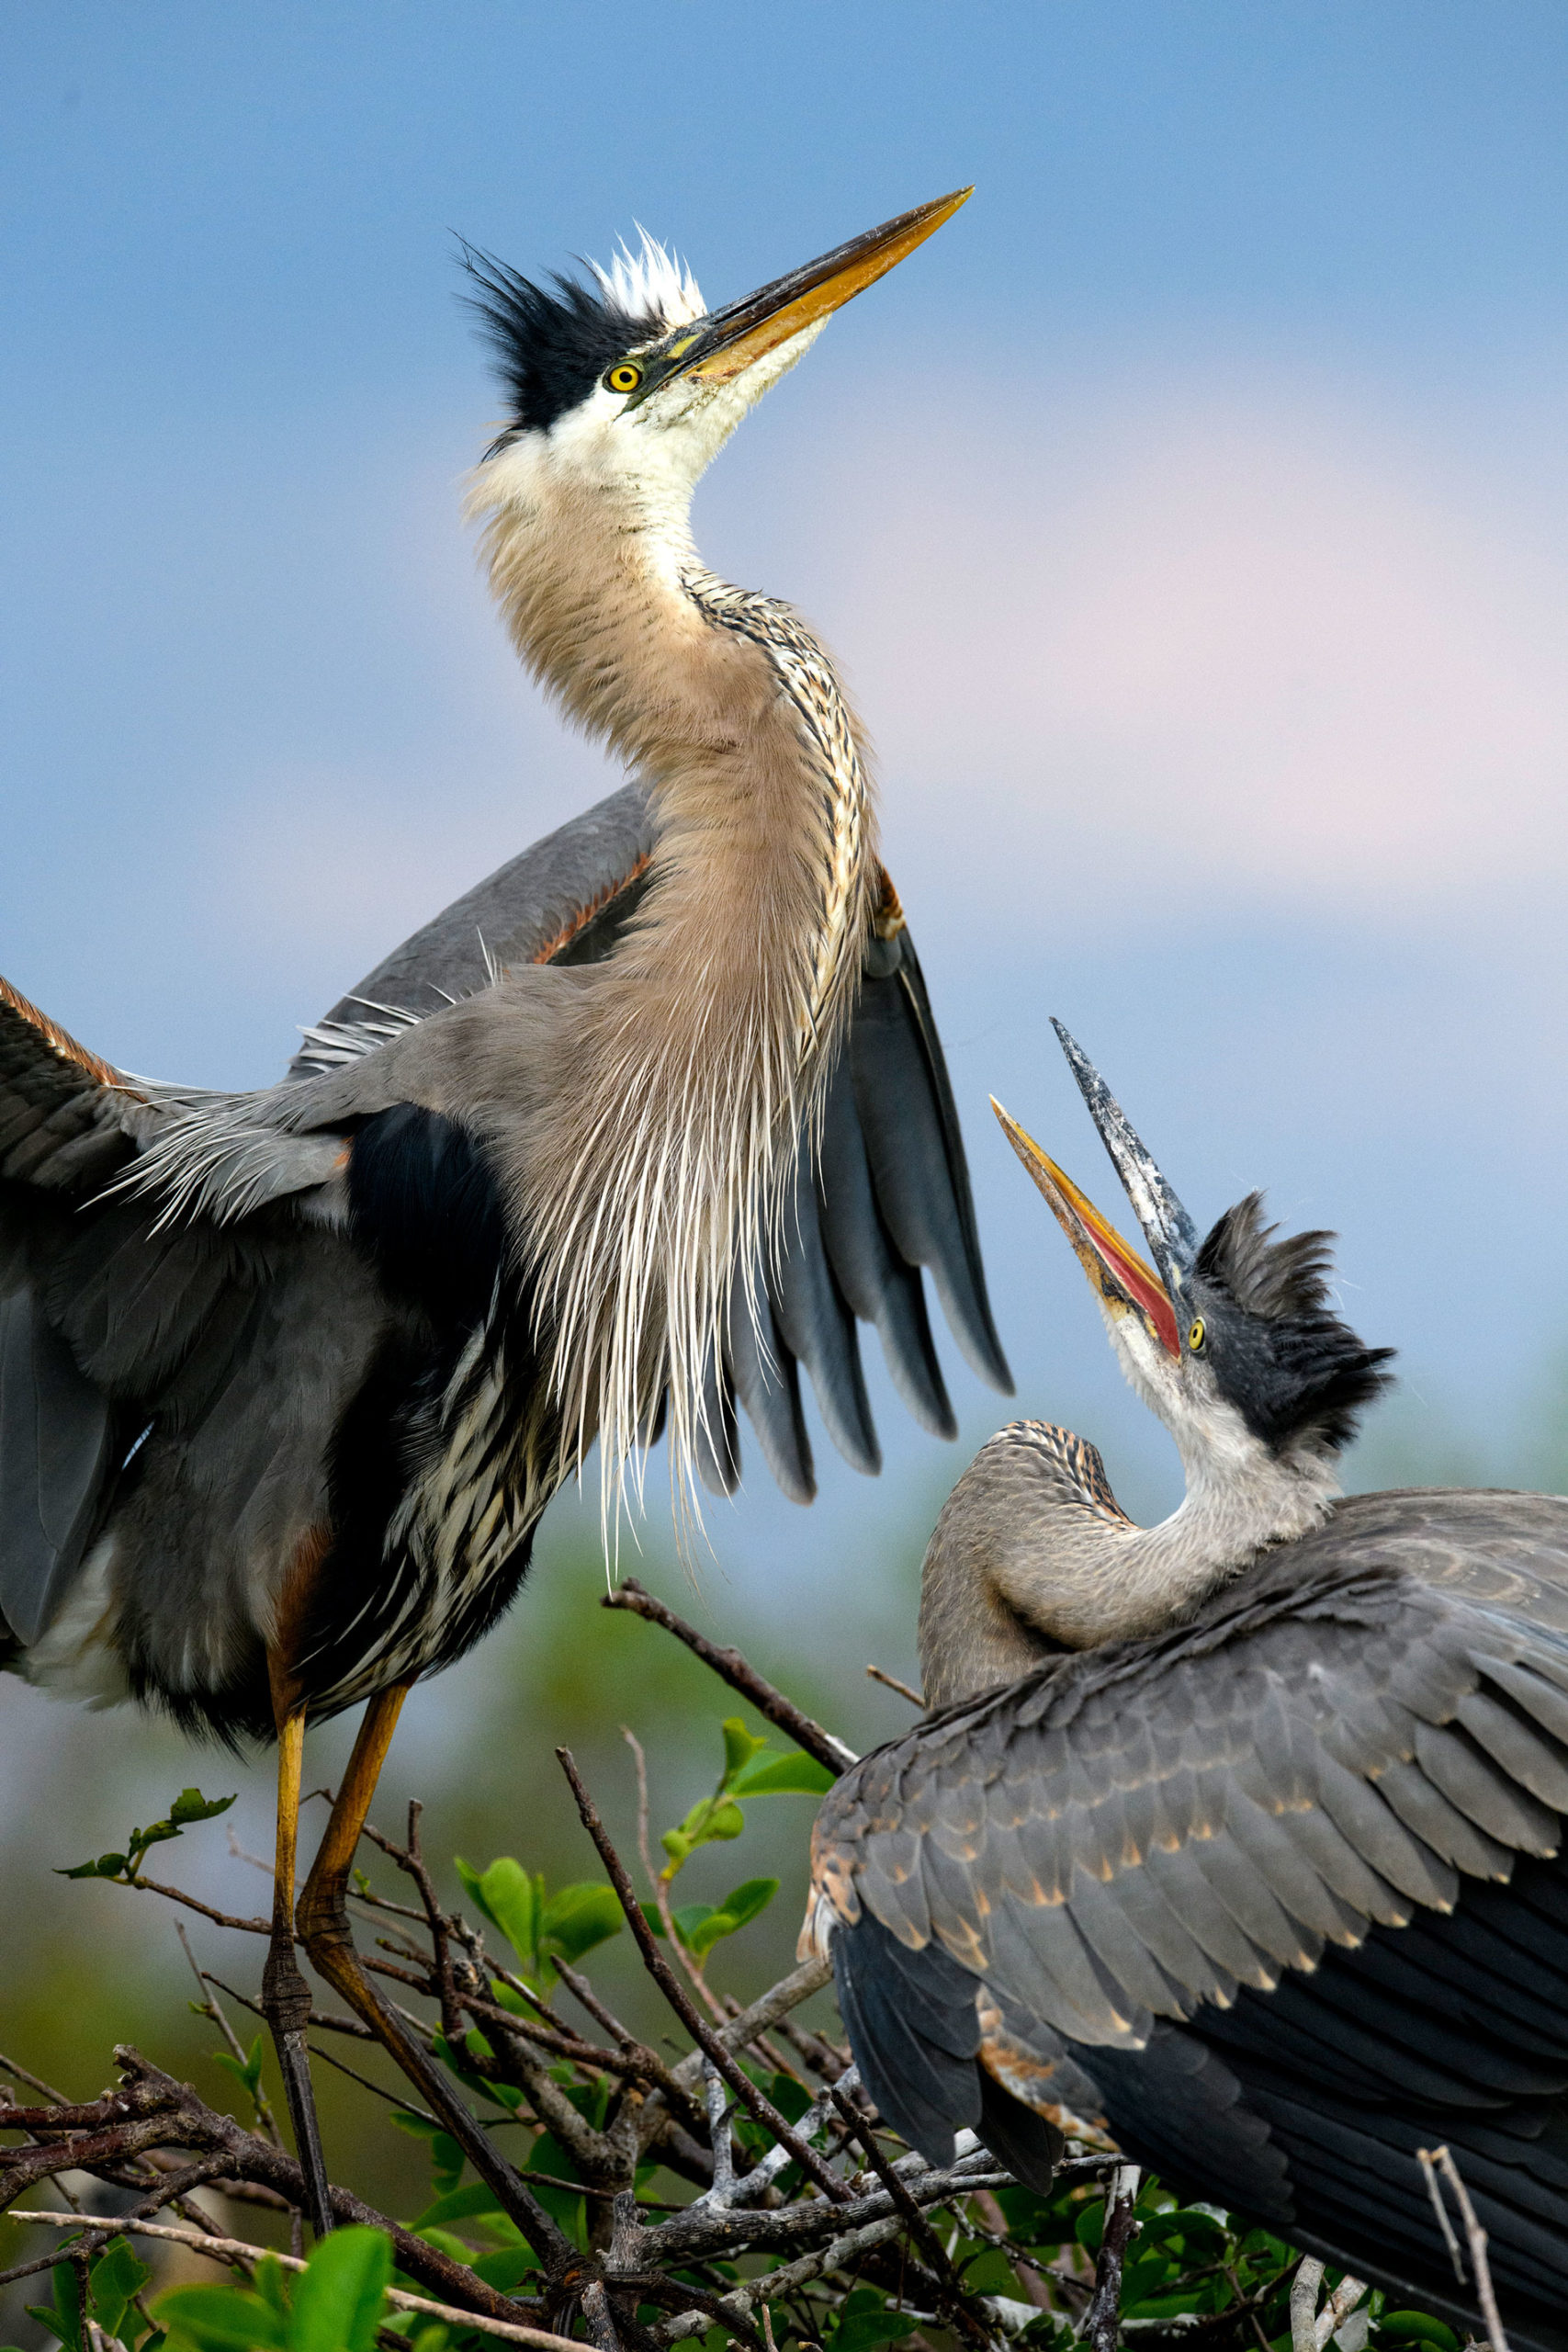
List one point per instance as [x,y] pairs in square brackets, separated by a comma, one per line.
[1195,1336]
[624,378]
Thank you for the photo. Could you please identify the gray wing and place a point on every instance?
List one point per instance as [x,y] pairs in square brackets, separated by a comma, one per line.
[562,902]
[885,1197]
[61,1128]
[1281,1896]
[111,1320]
[1505,1550]
[1128,1833]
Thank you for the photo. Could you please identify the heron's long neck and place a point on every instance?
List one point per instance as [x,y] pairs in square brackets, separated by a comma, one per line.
[1033,1554]
[698,1050]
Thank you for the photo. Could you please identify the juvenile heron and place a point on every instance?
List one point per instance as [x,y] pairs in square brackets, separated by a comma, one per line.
[1243,1832]
[286,1378]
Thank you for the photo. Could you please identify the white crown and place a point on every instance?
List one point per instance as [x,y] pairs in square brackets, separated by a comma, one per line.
[653,284]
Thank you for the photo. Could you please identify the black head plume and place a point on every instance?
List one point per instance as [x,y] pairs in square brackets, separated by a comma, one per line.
[551,348]
[1288,1364]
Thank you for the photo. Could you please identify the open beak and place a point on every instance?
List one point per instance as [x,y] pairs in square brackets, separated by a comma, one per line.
[1170,1233]
[1124,1279]
[1121,1276]
[728,342]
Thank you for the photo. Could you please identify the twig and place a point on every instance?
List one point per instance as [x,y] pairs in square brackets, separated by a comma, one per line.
[732,1667]
[1425,2159]
[1101,2328]
[33,2081]
[660,1886]
[1030,2276]
[230,2250]
[1303,2304]
[766,2011]
[405,2105]
[1430,2158]
[949,2285]
[219,1918]
[878,1674]
[262,2104]
[1338,2308]
[669,1985]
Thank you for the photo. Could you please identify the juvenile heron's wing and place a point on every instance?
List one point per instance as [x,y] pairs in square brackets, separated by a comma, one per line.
[1296,1863]
[886,1196]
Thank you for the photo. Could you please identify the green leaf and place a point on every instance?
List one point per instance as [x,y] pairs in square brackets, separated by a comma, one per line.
[271,2283]
[691,1919]
[247,2072]
[749,1901]
[64,2316]
[337,2301]
[220,2319]
[506,2268]
[578,1917]
[191,1806]
[793,1774]
[1418,2327]
[862,2331]
[509,1898]
[739,1747]
[115,2279]
[458,2205]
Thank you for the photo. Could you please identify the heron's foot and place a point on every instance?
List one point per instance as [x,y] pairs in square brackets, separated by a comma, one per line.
[286,2005]
[325,1932]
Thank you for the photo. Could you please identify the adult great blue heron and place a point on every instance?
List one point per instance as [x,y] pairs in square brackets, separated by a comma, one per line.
[286,1378]
[1243,1832]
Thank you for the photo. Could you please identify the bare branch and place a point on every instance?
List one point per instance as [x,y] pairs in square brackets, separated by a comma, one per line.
[1100,2326]
[1303,2304]
[732,1667]
[878,1674]
[1430,2161]
[669,1984]
[787,1994]
[960,2305]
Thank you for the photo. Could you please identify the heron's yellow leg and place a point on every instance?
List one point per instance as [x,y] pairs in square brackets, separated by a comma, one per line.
[286,1996]
[322,1921]
[323,1914]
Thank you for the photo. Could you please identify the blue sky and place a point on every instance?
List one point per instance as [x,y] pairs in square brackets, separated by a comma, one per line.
[1190,517]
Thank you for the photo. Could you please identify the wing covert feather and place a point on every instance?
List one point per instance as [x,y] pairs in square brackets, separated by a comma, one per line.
[1217,1806]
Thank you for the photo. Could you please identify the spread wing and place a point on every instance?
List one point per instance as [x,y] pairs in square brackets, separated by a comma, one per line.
[884,1200]
[1278,1895]
[114,1317]
[1507,1551]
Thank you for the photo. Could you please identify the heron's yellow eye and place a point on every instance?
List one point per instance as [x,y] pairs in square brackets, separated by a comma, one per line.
[624,378]
[1195,1337]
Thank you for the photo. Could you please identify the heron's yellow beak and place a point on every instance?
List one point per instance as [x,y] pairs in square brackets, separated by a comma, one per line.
[728,342]
[1124,1281]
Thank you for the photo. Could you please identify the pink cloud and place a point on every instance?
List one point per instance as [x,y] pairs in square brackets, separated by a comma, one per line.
[1231,636]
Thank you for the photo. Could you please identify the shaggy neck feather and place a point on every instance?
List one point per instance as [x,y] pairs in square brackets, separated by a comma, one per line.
[687,1061]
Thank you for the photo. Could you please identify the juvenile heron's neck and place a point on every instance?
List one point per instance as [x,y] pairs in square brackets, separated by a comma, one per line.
[698,1052]
[1033,1554]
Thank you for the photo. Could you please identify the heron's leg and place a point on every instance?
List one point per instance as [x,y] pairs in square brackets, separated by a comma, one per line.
[324,1911]
[286,1996]
[322,1919]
